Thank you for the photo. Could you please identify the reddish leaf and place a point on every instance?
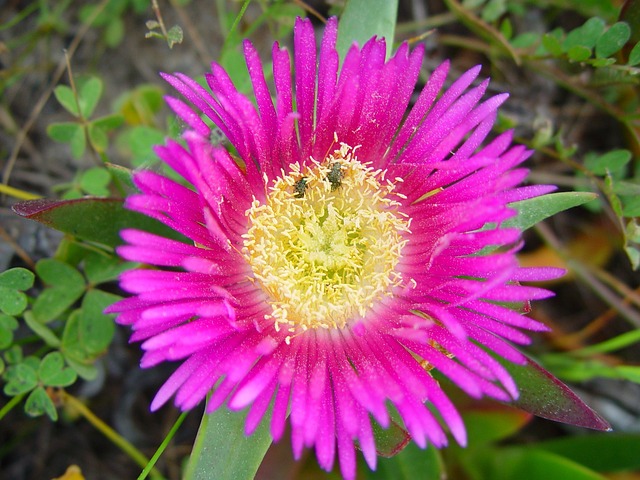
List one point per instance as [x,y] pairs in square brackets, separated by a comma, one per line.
[545,396]
[95,219]
[390,441]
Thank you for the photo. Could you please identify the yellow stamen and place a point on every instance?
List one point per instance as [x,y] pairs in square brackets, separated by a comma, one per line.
[325,244]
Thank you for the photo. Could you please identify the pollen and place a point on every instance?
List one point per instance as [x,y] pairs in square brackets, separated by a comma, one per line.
[325,243]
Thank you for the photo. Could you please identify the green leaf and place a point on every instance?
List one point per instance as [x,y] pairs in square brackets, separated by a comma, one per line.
[491,424]
[613,161]
[53,373]
[67,99]
[95,181]
[630,205]
[391,440]
[609,452]
[614,200]
[545,396]
[109,122]
[72,194]
[64,132]
[69,132]
[39,403]
[362,19]
[601,62]
[174,35]
[13,355]
[20,378]
[97,328]
[89,92]
[634,256]
[579,369]
[532,464]
[534,210]
[7,325]
[12,302]
[108,216]
[410,464]
[578,53]
[629,372]
[59,274]
[67,286]
[138,142]
[525,40]
[98,138]
[493,10]
[100,267]
[75,352]
[591,31]
[17,278]
[612,40]
[552,44]
[506,29]
[86,371]
[71,251]
[585,35]
[71,342]
[634,55]
[616,343]
[32,362]
[627,188]
[139,106]
[472,4]
[222,450]
[78,143]
[632,231]
[41,330]
[122,176]
[114,32]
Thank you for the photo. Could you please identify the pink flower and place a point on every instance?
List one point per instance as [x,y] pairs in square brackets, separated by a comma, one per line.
[338,250]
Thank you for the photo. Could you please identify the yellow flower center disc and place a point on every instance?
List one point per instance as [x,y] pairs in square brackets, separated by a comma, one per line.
[326,242]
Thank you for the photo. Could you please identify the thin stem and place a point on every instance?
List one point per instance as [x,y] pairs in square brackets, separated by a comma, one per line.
[117,439]
[237,20]
[630,296]
[162,446]
[193,32]
[196,450]
[72,85]
[156,10]
[17,193]
[310,9]
[10,404]
[21,252]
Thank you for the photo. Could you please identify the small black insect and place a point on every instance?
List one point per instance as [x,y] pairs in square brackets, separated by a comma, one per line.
[300,186]
[216,137]
[335,175]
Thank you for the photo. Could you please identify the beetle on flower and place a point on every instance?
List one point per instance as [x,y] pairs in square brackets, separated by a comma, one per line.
[339,251]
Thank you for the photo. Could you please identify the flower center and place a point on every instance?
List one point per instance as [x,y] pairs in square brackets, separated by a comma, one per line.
[326,242]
